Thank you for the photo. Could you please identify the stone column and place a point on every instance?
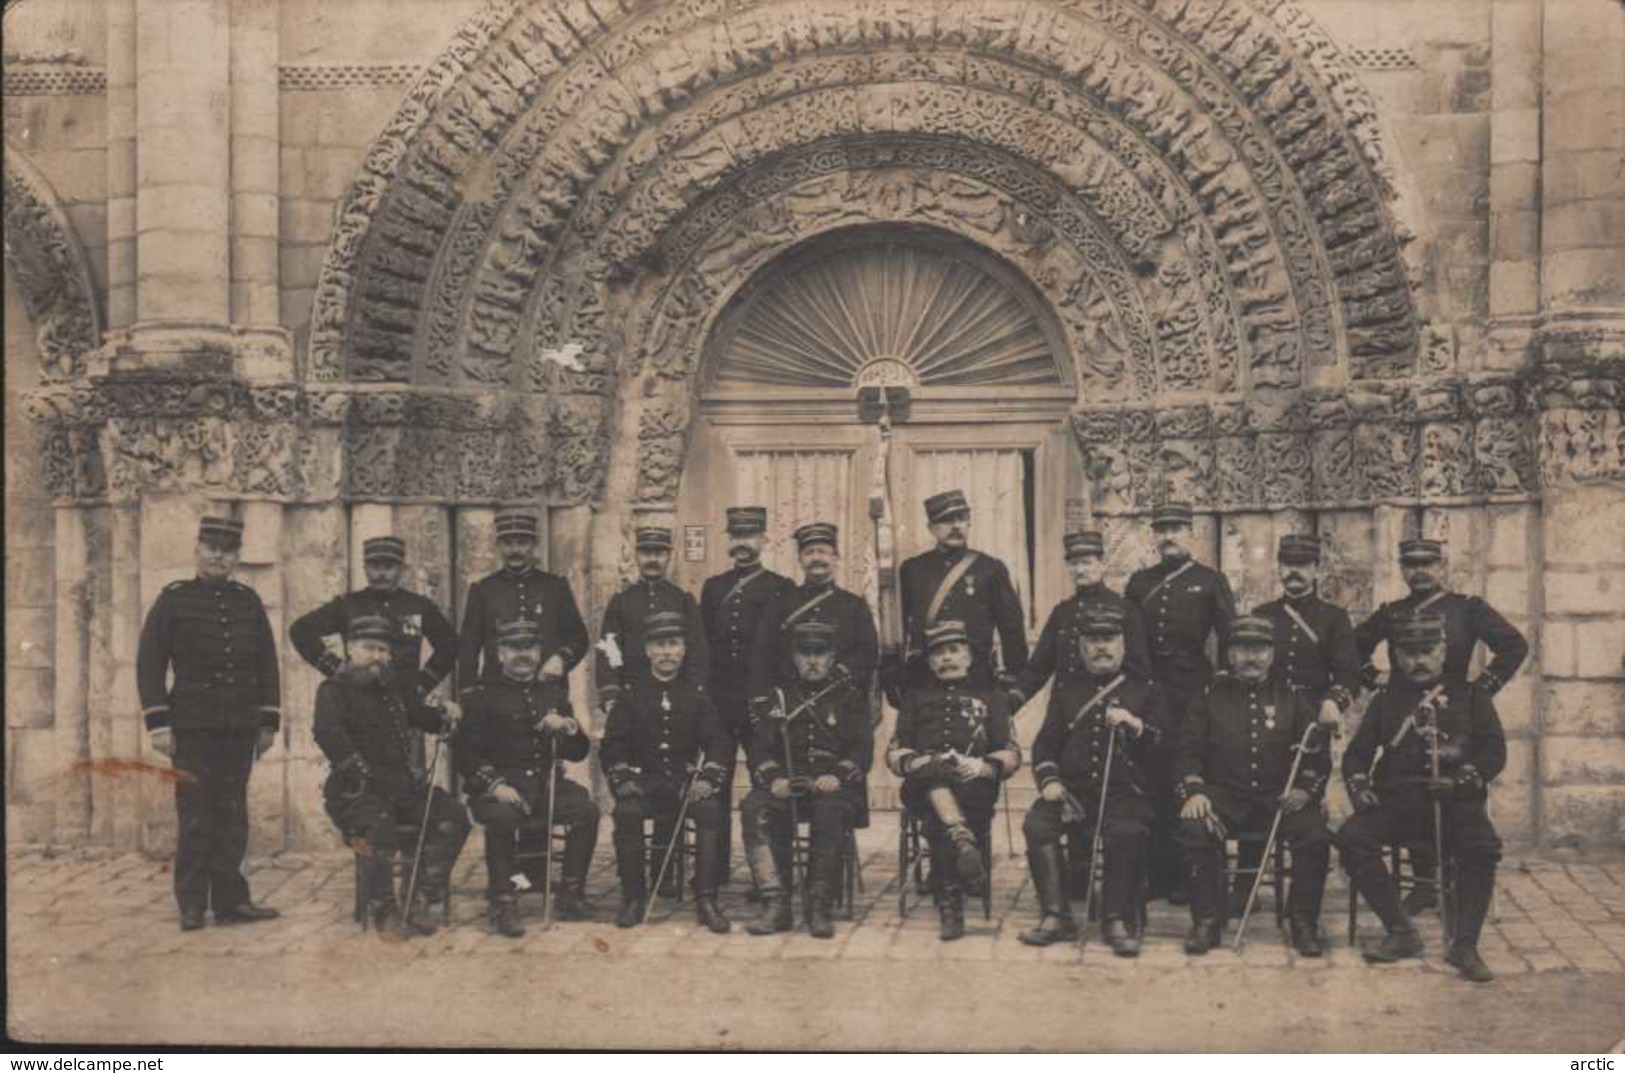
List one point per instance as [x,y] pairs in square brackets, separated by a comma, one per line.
[183,165]
[1514,298]
[254,161]
[121,155]
[1582,343]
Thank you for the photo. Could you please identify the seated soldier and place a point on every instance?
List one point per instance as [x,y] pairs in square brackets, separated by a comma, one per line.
[517,732]
[1236,748]
[808,755]
[952,746]
[1441,743]
[365,715]
[1089,703]
[662,731]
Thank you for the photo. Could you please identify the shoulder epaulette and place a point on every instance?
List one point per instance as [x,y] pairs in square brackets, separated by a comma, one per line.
[182,583]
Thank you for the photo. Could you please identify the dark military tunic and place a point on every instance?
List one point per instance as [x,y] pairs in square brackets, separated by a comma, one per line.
[416,617]
[624,620]
[733,605]
[501,740]
[1319,666]
[830,737]
[657,730]
[983,598]
[1241,738]
[505,596]
[857,648]
[217,639]
[1467,621]
[1074,750]
[369,729]
[1470,734]
[948,716]
[1058,654]
[1183,602]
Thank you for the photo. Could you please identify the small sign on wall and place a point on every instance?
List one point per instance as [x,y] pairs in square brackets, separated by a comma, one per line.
[693,543]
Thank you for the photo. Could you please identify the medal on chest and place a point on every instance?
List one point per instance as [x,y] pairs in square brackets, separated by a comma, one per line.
[970,584]
[665,701]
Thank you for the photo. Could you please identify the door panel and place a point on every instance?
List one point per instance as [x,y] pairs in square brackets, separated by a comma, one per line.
[797,487]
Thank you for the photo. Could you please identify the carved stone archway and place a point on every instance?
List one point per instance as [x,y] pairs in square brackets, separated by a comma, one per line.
[47,264]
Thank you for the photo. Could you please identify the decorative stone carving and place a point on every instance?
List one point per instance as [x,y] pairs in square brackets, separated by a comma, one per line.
[47,264]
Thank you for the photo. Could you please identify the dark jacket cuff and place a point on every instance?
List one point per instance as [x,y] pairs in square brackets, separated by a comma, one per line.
[156,718]
[329,664]
[1189,787]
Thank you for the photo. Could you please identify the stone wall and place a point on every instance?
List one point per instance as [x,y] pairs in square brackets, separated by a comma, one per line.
[1349,266]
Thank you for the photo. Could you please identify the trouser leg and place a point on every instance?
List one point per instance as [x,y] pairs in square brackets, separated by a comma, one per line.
[501,824]
[708,817]
[368,826]
[194,815]
[573,806]
[443,841]
[1359,844]
[1311,844]
[1041,830]
[1202,858]
[228,888]
[830,816]
[628,820]
[760,820]
[1126,841]
[1472,842]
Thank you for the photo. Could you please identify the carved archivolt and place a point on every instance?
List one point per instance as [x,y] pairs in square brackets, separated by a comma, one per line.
[519,223]
[47,264]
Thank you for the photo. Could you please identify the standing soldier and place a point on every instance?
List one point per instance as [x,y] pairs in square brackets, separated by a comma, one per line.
[620,660]
[817,599]
[1467,621]
[1184,603]
[953,581]
[221,712]
[1096,697]
[812,747]
[1440,743]
[952,746]
[732,605]
[1060,651]
[366,716]
[663,730]
[417,618]
[521,589]
[1236,747]
[517,733]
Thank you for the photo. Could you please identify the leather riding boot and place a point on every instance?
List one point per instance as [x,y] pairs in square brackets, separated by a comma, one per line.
[1381,893]
[819,924]
[634,897]
[777,912]
[1121,938]
[1397,945]
[708,852]
[1204,885]
[1205,935]
[505,917]
[951,913]
[1467,961]
[385,916]
[420,916]
[1475,886]
[967,857]
[1309,867]
[1306,937]
[570,901]
[1055,923]
[1425,870]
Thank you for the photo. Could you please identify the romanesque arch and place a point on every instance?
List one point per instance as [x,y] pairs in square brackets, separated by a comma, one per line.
[46,264]
[567,198]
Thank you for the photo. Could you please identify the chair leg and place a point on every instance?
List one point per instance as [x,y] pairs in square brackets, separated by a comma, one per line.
[1281,876]
[360,895]
[903,877]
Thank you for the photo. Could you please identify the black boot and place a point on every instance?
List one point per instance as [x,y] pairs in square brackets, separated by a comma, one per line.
[819,924]
[967,857]
[505,917]
[630,915]
[192,919]
[1306,938]
[424,908]
[1122,939]
[708,854]
[1309,867]
[1055,923]
[1466,959]
[951,913]
[1475,886]
[1395,946]
[1204,935]
[777,913]
[386,921]
[1204,887]
[1378,888]
[570,903]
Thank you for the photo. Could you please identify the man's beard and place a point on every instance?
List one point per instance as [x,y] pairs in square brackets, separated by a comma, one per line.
[373,674]
[744,554]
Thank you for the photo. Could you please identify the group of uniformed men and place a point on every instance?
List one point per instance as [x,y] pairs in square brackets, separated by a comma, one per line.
[1142,742]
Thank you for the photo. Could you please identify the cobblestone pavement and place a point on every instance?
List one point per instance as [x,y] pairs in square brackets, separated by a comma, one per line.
[1557,930]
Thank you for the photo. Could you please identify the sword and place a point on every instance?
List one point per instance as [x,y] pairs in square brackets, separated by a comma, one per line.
[1269,841]
[676,835]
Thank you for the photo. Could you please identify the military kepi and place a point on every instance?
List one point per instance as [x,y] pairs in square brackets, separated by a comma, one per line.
[946,505]
[1171,514]
[653,539]
[516,523]
[813,636]
[226,532]
[1252,630]
[817,533]
[1300,548]
[663,624]
[519,631]
[370,628]
[948,632]
[1101,620]
[384,549]
[1421,551]
[1418,631]
[746,521]
[1083,545]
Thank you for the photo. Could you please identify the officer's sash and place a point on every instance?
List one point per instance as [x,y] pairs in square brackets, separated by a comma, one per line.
[1302,625]
[1158,586]
[804,609]
[960,569]
[739,586]
[1094,701]
[1429,602]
